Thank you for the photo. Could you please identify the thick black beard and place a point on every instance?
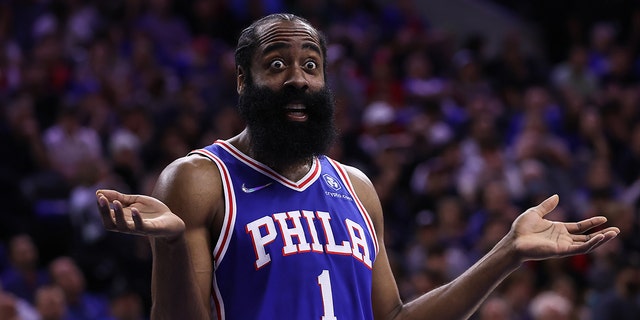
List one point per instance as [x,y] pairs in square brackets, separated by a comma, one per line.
[281,143]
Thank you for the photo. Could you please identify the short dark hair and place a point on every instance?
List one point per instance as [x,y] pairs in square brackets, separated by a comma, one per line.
[248,41]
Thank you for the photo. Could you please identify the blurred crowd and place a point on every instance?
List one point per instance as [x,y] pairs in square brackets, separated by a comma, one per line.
[458,140]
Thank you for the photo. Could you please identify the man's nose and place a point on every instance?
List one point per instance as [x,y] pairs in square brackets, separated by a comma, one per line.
[297,78]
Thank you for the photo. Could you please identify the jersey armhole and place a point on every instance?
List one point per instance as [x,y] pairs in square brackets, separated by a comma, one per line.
[229,205]
[344,176]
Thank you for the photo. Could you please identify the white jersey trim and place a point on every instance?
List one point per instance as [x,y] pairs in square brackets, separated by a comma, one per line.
[300,185]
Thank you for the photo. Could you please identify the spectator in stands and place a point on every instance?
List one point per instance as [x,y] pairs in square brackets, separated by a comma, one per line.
[69,143]
[51,304]
[81,304]
[622,301]
[549,305]
[495,308]
[126,305]
[24,275]
[575,75]
[15,308]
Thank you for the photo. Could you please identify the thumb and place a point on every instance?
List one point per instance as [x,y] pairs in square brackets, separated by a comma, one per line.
[547,205]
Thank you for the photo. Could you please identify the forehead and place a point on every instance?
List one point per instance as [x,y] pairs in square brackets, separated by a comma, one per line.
[286,31]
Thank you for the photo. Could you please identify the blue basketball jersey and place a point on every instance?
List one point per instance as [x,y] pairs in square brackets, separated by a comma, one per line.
[290,249]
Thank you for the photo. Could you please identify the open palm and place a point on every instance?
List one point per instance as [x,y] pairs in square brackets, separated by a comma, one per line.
[537,238]
[137,214]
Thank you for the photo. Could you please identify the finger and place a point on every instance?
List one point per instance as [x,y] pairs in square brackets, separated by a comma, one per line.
[112,195]
[587,237]
[137,219]
[121,222]
[582,238]
[585,225]
[601,238]
[610,234]
[596,240]
[109,194]
[585,247]
[547,205]
[105,212]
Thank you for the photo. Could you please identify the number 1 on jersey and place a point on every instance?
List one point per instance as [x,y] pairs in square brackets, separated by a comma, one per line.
[324,281]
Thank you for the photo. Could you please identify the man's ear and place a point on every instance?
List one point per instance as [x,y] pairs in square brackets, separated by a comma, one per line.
[240,78]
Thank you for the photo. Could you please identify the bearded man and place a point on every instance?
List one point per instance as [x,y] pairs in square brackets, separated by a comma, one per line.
[265,226]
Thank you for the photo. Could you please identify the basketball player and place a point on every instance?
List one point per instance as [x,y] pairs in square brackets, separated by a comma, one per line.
[264,226]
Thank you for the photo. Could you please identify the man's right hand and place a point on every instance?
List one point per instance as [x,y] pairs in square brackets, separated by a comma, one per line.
[138,214]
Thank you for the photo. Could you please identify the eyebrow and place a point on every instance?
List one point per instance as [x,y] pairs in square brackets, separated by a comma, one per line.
[275,47]
[312,46]
[284,45]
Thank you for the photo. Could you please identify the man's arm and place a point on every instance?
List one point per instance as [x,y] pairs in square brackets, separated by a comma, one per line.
[531,238]
[178,219]
[182,267]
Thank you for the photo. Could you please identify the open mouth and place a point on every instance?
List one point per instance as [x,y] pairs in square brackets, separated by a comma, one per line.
[296,112]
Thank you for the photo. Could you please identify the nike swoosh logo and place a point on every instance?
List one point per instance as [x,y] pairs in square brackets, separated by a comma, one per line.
[254,189]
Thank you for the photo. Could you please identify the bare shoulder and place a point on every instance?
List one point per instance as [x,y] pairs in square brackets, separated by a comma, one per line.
[367,193]
[191,187]
[358,178]
[190,167]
